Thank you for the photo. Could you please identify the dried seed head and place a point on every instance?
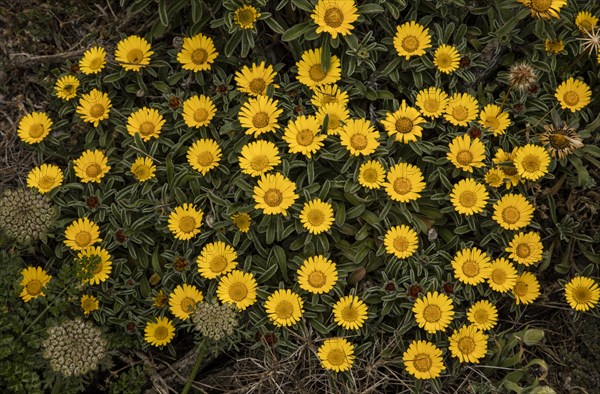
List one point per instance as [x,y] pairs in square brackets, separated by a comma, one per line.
[215,321]
[25,215]
[522,76]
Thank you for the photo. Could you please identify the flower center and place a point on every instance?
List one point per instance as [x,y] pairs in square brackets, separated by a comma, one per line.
[146,128]
[509,169]
[89,305]
[468,199]
[96,63]
[83,239]
[200,115]
[470,268]
[161,333]
[205,159]
[370,175]
[431,105]
[135,56]
[464,157]
[305,137]
[466,345]
[273,197]
[257,85]
[350,314]
[199,56]
[571,98]
[334,122]
[69,88]
[511,215]
[410,43]
[97,110]
[460,113]
[260,120]
[521,289]
[358,141]
[523,251]
[259,163]
[481,316]
[317,279]
[317,73]
[284,310]
[402,186]
[218,264]
[531,163]
[432,313]
[499,276]
[492,123]
[36,130]
[98,268]
[246,17]
[187,224]
[316,217]
[336,357]
[188,304]
[444,60]
[46,182]
[141,172]
[422,362]
[401,244]
[93,170]
[334,17]
[238,291]
[541,5]
[404,125]
[558,141]
[34,287]
[582,295]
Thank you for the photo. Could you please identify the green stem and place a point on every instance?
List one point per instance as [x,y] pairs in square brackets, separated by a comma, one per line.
[40,315]
[201,352]
[506,96]
[57,386]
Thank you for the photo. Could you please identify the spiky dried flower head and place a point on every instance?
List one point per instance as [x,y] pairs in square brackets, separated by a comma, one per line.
[215,321]
[591,41]
[522,76]
[560,140]
[26,215]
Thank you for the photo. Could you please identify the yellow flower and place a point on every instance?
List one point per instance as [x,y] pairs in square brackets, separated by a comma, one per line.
[133,53]
[335,17]
[433,312]
[237,288]
[371,174]
[242,221]
[245,16]
[503,275]
[554,46]
[274,194]
[143,169]
[461,109]
[216,258]
[446,58]
[573,94]
[350,312]
[506,163]
[185,221]
[103,266]
[66,87]
[359,137]
[494,177]
[483,314]
[513,212]
[336,354]
[89,304]
[468,344]
[527,288]
[94,107]
[255,80]
[401,241]
[404,124]
[45,177]
[311,72]
[466,153]
[34,281]
[582,293]
[404,182]
[82,233]
[159,333]
[586,22]
[198,111]
[432,102]
[526,248]
[317,275]
[316,216]
[204,155]
[259,157]
[183,300]
[160,300]
[494,119]
[259,115]
[91,166]
[329,94]
[545,9]
[34,127]
[147,122]
[284,308]
[93,61]
[302,135]
[469,197]
[471,266]
[423,360]
[197,53]
[337,115]
[411,39]
[532,162]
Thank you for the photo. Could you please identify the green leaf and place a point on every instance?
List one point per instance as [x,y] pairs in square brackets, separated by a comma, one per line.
[295,31]
[279,255]
[370,9]
[162,13]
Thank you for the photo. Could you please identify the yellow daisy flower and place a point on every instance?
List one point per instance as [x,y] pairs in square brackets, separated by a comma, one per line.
[316,216]
[284,308]
[147,122]
[404,124]
[66,87]
[255,80]
[586,22]
[371,174]
[545,9]
[93,61]
[302,135]
[337,115]
[483,314]
[34,281]
[82,233]
[160,300]
[433,312]
[554,46]
[103,267]
[204,155]
[401,241]
[143,169]
[34,127]
[506,163]
[183,300]
[582,293]
[336,354]
[198,111]
[471,266]
[404,182]
[532,162]
[185,221]
[335,17]
[432,102]
[317,275]
[45,177]
[494,119]
[197,53]
[359,137]
[89,304]
[133,53]
[311,72]
[423,360]
[238,288]
[94,107]
[468,344]
[274,194]
[469,197]
[329,94]
[350,312]
[573,94]
[246,16]
[503,275]
[259,157]
[216,258]
[242,221]
[527,288]
[461,109]
[466,153]
[411,39]
[494,177]
[91,166]
[526,248]
[259,115]
[159,333]
[513,212]
[446,58]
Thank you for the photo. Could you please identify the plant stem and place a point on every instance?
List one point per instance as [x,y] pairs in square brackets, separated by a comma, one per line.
[40,315]
[57,386]
[201,352]
[506,96]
